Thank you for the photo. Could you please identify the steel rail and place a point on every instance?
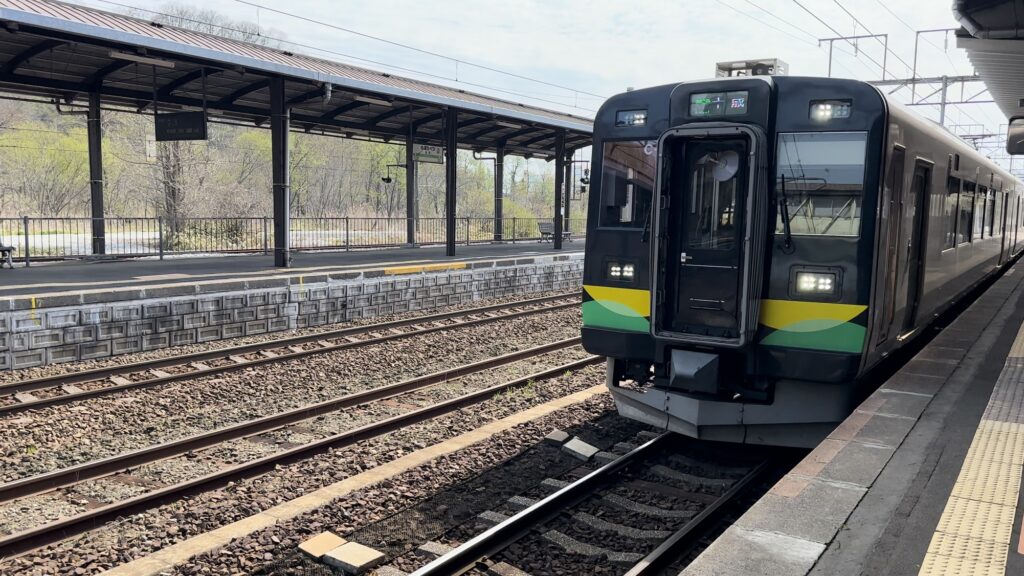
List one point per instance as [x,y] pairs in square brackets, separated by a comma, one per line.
[669,550]
[500,536]
[37,537]
[278,357]
[89,470]
[100,373]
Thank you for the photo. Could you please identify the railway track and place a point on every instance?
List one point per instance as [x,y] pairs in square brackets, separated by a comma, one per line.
[46,534]
[594,508]
[70,387]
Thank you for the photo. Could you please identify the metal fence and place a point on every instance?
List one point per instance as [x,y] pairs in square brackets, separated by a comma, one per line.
[71,238]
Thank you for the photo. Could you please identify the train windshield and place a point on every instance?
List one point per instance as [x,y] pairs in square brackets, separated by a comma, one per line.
[820,177]
[627,183]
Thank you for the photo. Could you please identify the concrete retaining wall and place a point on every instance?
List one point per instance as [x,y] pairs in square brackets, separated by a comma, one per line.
[34,332]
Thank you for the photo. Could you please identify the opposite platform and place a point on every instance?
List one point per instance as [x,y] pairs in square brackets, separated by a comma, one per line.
[101,276]
[922,479]
[53,317]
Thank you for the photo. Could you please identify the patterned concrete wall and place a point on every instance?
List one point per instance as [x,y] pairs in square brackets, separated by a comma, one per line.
[42,335]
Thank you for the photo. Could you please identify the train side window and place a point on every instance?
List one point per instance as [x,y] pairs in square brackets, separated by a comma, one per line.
[627,183]
[950,212]
[965,224]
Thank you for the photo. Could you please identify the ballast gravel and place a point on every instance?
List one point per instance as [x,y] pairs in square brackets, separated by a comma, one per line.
[56,437]
[143,533]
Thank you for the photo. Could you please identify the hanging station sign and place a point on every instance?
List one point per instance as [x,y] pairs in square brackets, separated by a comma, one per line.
[180,126]
[428,153]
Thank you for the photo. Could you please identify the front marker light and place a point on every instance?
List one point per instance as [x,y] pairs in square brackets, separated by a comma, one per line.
[816,282]
[621,272]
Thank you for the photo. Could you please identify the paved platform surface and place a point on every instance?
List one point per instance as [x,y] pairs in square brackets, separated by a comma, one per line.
[62,277]
[923,479]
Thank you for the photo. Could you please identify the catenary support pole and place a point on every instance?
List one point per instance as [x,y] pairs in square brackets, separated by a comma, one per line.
[95,137]
[279,130]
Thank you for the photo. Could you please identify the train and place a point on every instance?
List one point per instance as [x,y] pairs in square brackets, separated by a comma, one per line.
[756,245]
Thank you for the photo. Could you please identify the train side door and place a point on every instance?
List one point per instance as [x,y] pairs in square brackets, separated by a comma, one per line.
[917,213]
[891,271]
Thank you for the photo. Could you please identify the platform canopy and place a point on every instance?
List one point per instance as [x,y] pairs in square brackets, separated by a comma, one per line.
[992,33]
[67,51]
[73,54]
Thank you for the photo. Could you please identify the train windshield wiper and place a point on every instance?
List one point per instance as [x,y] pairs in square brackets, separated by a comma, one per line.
[784,209]
[646,235]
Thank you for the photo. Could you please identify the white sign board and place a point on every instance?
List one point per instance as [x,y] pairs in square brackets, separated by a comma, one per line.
[428,153]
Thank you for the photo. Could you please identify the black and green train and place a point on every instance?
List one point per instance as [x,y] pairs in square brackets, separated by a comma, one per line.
[756,244]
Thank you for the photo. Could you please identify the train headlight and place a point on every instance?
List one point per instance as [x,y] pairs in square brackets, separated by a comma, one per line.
[621,271]
[816,283]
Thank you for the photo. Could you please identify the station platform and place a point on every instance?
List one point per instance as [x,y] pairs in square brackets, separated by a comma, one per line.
[65,312]
[49,278]
[924,478]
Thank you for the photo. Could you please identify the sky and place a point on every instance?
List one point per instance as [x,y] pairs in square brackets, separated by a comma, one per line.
[576,53]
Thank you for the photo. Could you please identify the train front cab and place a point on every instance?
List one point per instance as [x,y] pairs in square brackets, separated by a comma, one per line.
[736,329]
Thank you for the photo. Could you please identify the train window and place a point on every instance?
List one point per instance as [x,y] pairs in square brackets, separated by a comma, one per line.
[949,212]
[627,183]
[979,212]
[820,177]
[965,224]
[711,214]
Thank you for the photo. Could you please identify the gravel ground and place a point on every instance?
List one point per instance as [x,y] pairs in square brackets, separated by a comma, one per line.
[37,510]
[73,367]
[59,436]
[142,533]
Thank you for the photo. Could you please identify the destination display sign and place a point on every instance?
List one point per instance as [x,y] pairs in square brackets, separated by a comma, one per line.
[180,126]
[718,103]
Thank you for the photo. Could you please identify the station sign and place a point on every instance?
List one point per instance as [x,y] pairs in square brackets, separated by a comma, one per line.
[428,153]
[180,126]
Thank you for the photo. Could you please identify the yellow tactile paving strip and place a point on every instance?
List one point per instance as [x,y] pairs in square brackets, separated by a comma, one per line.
[973,535]
[166,559]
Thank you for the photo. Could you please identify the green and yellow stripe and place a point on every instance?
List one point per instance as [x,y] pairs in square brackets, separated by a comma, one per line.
[788,323]
[625,309]
[813,325]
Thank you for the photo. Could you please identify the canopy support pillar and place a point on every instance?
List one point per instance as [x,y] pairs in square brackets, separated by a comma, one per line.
[95,138]
[412,212]
[451,138]
[559,185]
[280,120]
[499,194]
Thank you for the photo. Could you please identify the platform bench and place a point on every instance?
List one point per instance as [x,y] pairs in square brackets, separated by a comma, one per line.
[5,256]
[547,232]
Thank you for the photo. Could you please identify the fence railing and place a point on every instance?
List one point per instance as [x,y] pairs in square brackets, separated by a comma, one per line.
[70,238]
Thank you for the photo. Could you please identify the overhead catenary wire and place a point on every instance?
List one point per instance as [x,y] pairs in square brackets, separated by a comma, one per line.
[868,30]
[416,49]
[836,32]
[777,29]
[544,98]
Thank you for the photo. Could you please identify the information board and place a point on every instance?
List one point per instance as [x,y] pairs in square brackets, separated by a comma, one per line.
[174,126]
[428,153]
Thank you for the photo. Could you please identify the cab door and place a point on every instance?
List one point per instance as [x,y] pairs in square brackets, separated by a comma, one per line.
[703,233]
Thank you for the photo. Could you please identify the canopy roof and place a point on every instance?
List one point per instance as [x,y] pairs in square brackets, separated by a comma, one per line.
[66,51]
[993,36]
